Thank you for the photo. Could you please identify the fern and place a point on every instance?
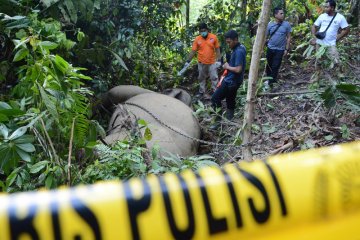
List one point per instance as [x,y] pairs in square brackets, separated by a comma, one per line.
[80,110]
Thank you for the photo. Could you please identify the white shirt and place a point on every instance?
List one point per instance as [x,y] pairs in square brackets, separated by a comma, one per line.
[323,21]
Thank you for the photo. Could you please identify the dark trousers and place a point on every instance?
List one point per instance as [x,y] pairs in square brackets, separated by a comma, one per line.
[274,58]
[225,91]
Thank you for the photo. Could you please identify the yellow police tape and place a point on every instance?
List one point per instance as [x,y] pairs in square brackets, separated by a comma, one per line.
[313,194]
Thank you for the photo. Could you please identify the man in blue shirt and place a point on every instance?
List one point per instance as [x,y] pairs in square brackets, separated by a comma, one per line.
[235,68]
[278,33]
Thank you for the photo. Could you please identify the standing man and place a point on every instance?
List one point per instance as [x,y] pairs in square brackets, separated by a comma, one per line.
[235,68]
[208,48]
[332,36]
[278,44]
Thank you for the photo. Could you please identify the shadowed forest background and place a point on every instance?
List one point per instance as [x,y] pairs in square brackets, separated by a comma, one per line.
[58,56]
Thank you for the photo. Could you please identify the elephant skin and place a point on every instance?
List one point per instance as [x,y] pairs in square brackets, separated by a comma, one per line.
[169,111]
[179,94]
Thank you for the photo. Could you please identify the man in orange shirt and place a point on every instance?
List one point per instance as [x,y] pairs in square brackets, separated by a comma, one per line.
[208,49]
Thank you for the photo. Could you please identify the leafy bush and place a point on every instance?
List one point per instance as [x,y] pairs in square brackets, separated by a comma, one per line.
[129,159]
[53,106]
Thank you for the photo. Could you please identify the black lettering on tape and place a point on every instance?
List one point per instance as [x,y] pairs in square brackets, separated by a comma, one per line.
[260,216]
[235,203]
[188,232]
[216,225]
[136,206]
[87,215]
[278,190]
[25,225]
[54,209]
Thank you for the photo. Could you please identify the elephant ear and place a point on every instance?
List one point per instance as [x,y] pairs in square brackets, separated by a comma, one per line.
[120,94]
[179,94]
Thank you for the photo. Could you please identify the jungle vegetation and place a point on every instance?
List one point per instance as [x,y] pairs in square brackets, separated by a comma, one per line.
[58,56]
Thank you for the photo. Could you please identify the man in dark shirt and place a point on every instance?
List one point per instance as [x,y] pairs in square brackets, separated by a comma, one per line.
[278,44]
[235,68]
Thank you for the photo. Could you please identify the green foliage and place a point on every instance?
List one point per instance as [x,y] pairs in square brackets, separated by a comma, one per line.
[120,41]
[108,31]
[176,164]
[14,147]
[348,92]
[121,161]
[160,69]
[129,159]
[53,97]
[30,176]
[53,84]
[222,16]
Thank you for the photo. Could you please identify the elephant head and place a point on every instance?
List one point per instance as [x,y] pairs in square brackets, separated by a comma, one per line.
[171,121]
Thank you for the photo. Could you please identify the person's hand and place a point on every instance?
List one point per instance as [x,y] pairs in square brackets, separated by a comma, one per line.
[225,66]
[313,41]
[187,63]
[218,64]
[286,52]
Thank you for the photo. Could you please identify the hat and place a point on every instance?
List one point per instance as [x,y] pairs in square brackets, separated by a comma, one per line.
[203,26]
[231,34]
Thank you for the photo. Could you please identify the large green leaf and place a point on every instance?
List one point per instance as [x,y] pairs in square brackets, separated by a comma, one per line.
[23,155]
[12,176]
[48,3]
[49,104]
[19,43]
[351,93]
[64,14]
[61,64]
[48,45]
[329,97]
[97,4]
[11,112]
[119,59]
[21,54]
[24,139]
[71,10]
[22,22]
[4,105]
[26,147]
[18,133]
[9,158]
[37,167]
[4,131]
[347,87]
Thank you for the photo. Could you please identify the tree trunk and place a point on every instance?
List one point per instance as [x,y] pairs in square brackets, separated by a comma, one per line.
[187,14]
[253,76]
[243,7]
[355,12]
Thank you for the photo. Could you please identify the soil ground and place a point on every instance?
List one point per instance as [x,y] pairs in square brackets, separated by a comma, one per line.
[288,118]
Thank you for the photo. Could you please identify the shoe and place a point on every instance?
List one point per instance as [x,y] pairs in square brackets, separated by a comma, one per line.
[230,114]
[199,95]
[266,86]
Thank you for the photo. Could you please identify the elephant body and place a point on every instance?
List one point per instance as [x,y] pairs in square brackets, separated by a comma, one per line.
[158,110]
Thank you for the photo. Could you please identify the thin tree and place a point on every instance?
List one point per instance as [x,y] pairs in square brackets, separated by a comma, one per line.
[253,76]
[187,14]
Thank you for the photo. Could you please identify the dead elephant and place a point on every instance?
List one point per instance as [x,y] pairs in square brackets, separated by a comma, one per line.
[170,120]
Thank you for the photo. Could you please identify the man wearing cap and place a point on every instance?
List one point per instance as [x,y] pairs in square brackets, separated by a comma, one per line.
[235,67]
[207,46]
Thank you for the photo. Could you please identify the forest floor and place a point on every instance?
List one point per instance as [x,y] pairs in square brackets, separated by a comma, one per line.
[288,118]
